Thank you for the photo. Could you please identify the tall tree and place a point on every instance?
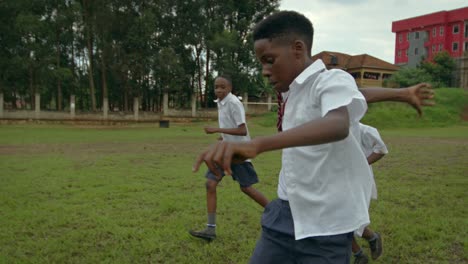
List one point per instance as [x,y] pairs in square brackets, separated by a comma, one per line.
[441,68]
[88,9]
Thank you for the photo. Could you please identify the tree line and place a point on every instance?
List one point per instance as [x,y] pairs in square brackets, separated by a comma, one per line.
[121,49]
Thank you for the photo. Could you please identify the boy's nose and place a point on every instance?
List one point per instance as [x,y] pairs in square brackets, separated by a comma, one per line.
[266,72]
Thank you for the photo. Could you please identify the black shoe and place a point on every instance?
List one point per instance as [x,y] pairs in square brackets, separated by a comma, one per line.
[376,247]
[204,234]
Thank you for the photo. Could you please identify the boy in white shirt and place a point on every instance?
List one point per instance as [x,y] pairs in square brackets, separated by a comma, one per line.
[324,184]
[233,128]
[314,218]
[374,149]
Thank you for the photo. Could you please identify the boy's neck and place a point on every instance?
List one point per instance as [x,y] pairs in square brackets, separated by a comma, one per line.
[308,62]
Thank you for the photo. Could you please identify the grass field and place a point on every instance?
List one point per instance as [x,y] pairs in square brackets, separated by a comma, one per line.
[75,194]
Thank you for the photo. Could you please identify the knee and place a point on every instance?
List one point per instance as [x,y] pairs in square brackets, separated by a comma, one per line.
[210,185]
[245,190]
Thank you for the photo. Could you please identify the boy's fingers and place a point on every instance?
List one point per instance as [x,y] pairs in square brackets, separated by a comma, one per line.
[227,157]
[419,111]
[198,162]
[218,153]
[208,159]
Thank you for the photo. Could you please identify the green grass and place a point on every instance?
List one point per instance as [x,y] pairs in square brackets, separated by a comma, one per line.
[72,194]
[446,112]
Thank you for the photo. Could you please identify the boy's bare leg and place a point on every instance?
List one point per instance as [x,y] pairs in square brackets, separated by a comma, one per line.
[375,242]
[355,246]
[211,196]
[359,255]
[255,195]
[209,233]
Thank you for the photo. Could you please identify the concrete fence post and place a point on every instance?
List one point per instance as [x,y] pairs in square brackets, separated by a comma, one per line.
[269,102]
[105,107]
[166,103]
[194,105]
[37,102]
[72,106]
[245,101]
[136,107]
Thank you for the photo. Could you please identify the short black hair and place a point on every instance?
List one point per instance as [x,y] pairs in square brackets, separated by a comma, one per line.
[226,77]
[285,24]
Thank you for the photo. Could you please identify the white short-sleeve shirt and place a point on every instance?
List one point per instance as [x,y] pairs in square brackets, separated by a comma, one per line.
[327,185]
[231,114]
[371,142]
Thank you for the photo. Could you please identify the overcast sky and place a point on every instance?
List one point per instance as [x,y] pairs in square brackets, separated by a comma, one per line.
[362,26]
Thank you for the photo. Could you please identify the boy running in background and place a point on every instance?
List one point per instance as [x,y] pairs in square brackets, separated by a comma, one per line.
[233,128]
[374,149]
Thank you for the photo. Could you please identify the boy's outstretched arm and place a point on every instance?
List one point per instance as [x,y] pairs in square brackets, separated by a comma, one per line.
[417,96]
[334,126]
[241,130]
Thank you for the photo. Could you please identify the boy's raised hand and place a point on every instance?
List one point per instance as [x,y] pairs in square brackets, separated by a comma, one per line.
[223,154]
[420,95]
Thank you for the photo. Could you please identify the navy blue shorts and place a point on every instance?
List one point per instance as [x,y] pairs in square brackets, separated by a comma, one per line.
[277,244]
[243,173]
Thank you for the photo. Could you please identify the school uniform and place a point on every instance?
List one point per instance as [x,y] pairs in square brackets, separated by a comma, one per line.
[323,189]
[231,114]
[371,142]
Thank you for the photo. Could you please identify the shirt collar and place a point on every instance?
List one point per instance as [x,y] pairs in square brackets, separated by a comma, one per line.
[225,99]
[316,66]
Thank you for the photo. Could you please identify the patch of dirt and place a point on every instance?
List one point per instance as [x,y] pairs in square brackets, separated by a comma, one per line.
[84,149]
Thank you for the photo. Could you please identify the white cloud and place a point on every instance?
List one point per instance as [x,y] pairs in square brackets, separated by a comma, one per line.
[362,26]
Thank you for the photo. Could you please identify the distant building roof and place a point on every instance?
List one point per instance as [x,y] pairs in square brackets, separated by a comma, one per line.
[337,60]
[437,18]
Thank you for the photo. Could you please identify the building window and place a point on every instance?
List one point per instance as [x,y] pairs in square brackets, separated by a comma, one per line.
[466,46]
[441,31]
[434,32]
[433,48]
[466,30]
[454,46]
[406,53]
[416,35]
[399,54]
[416,51]
[455,29]
[441,47]
[386,76]
[372,75]
[400,37]
[407,36]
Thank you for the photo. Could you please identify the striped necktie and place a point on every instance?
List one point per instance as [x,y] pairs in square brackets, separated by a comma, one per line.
[281,105]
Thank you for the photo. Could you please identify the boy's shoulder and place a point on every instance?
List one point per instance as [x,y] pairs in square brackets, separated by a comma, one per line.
[232,99]
[318,73]
[336,75]
[366,129]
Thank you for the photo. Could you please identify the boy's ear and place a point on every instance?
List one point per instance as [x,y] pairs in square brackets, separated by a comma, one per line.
[299,48]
